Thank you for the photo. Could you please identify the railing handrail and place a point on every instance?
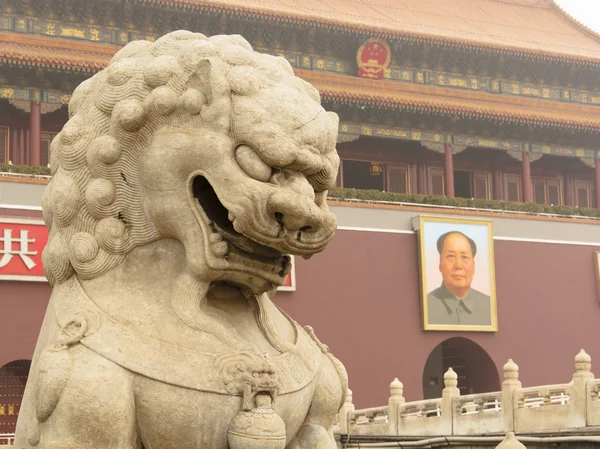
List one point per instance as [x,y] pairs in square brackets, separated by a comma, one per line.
[393,203]
[5,174]
[466,208]
[422,402]
[474,396]
[369,411]
[551,388]
[572,405]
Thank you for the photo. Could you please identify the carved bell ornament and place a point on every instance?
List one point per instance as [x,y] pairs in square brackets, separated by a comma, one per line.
[257,425]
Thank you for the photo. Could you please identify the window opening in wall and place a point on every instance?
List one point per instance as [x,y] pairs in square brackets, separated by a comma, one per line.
[4,144]
[512,187]
[398,178]
[46,140]
[585,194]
[462,184]
[358,175]
[469,184]
[436,181]
[547,191]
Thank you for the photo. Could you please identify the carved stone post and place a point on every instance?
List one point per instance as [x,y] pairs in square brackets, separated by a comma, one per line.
[345,412]
[526,178]
[395,403]
[597,186]
[509,386]
[448,171]
[511,442]
[35,133]
[448,394]
[583,365]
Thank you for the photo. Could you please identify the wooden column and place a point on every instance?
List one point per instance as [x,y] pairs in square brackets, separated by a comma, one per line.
[569,199]
[421,177]
[526,178]
[497,183]
[597,186]
[35,133]
[448,171]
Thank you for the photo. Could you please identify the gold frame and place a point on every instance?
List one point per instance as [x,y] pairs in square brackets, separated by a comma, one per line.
[423,277]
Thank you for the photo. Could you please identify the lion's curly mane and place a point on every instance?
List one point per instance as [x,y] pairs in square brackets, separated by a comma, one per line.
[93,205]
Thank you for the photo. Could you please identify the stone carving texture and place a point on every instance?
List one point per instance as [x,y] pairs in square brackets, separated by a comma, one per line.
[188,170]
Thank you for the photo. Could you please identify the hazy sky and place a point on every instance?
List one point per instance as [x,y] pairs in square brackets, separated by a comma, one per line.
[585,11]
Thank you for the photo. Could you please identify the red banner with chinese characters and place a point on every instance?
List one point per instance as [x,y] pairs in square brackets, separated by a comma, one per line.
[23,241]
[21,245]
[373,58]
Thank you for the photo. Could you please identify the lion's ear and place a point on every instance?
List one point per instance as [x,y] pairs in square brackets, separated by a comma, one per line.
[200,79]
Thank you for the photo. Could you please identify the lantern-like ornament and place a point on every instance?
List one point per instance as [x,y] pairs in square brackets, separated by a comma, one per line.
[373,58]
[376,169]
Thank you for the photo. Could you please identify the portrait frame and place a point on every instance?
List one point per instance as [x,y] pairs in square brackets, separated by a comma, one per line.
[429,229]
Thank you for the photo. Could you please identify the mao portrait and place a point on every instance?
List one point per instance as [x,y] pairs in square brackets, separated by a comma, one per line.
[457,274]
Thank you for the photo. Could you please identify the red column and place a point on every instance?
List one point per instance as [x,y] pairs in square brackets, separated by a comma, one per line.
[569,194]
[35,133]
[421,178]
[448,171]
[597,205]
[526,178]
[498,191]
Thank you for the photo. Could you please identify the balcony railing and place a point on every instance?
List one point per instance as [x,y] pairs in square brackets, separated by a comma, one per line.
[388,198]
[548,408]
[7,439]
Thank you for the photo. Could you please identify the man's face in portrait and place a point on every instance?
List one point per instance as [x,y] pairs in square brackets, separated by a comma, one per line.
[457,264]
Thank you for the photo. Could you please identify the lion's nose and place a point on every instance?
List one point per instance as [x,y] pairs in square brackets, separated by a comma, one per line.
[295,213]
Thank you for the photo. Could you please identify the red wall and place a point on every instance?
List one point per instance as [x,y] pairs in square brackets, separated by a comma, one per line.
[361,296]
[22,309]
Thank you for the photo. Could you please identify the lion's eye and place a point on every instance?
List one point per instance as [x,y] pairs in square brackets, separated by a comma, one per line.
[252,164]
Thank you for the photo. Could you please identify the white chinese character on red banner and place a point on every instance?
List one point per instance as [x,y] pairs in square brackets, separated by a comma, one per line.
[23,252]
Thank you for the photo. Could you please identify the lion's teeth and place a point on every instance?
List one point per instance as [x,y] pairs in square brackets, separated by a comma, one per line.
[231,217]
[220,248]
[307,257]
[237,227]
[215,237]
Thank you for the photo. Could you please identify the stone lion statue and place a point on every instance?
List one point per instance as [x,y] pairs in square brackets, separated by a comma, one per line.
[188,172]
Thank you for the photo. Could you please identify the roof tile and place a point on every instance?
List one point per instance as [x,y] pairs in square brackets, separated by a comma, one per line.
[529,26]
[446,100]
[59,53]
[54,52]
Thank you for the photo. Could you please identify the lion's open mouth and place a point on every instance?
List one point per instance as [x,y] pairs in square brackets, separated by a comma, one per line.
[219,215]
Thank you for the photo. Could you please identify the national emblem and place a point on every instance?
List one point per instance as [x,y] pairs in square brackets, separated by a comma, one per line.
[373,58]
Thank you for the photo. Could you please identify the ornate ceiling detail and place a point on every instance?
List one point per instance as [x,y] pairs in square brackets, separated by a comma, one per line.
[344,137]
[518,155]
[25,105]
[434,146]
[588,162]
